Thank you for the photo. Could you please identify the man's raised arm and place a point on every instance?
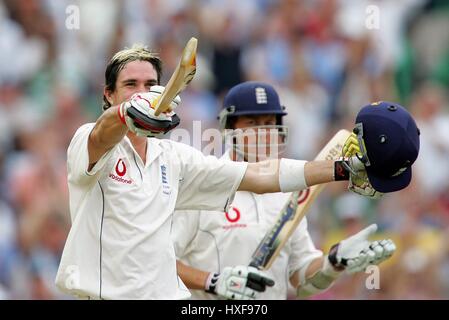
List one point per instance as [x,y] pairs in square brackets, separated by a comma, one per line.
[108,131]
[287,175]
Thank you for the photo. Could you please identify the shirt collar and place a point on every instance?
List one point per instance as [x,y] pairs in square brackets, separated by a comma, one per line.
[153,149]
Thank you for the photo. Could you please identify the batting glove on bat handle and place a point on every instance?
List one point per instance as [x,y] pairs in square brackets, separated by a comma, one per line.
[356,253]
[238,283]
[353,169]
[138,114]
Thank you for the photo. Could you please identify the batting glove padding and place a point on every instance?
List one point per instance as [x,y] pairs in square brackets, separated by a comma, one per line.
[351,146]
[238,283]
[358,179]
[138,114]
[356,253]
[355,168]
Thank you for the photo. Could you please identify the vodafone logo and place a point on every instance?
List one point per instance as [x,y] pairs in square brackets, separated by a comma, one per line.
[303,195]
[120,168]
[233,216]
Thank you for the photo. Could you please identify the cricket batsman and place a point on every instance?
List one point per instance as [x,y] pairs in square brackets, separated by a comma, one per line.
[125,182]
[209,244]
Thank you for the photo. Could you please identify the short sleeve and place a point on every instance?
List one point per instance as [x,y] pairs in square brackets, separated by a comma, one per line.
[303,250]
[206,183]
[78,157]
[184,230]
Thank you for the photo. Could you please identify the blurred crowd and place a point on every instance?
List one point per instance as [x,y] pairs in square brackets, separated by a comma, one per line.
[327,58]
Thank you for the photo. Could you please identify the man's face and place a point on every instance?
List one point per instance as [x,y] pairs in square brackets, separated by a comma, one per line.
[258,143]
[243,122]
[136,76]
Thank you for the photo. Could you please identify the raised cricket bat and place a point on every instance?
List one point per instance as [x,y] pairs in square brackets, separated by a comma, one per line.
[180,78]
[294,210]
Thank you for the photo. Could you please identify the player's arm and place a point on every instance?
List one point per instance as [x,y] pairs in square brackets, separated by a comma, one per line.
[107,132]
[137,115]
[236,283]
[292,175]
[351,255]
[288,175]
[314,278]
[193,278]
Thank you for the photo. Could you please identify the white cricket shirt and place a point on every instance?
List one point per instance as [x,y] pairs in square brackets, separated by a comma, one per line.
[212,240]
[119,244]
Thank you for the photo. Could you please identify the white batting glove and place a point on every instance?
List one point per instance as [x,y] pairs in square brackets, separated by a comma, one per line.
[353,169]
[238,283]
[358,180]
[138,114]
[356,253]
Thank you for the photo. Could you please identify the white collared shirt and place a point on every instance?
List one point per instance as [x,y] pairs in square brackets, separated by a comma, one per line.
[212,240]
[119,244]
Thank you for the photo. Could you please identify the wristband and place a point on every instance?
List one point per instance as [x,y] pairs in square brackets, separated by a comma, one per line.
[340,172]
[120,114]
[332,258]
[291,175]
[211,282]
[332,267]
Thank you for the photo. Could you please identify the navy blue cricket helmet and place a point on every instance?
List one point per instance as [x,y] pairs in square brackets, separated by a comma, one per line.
[250,98]
[391,144]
